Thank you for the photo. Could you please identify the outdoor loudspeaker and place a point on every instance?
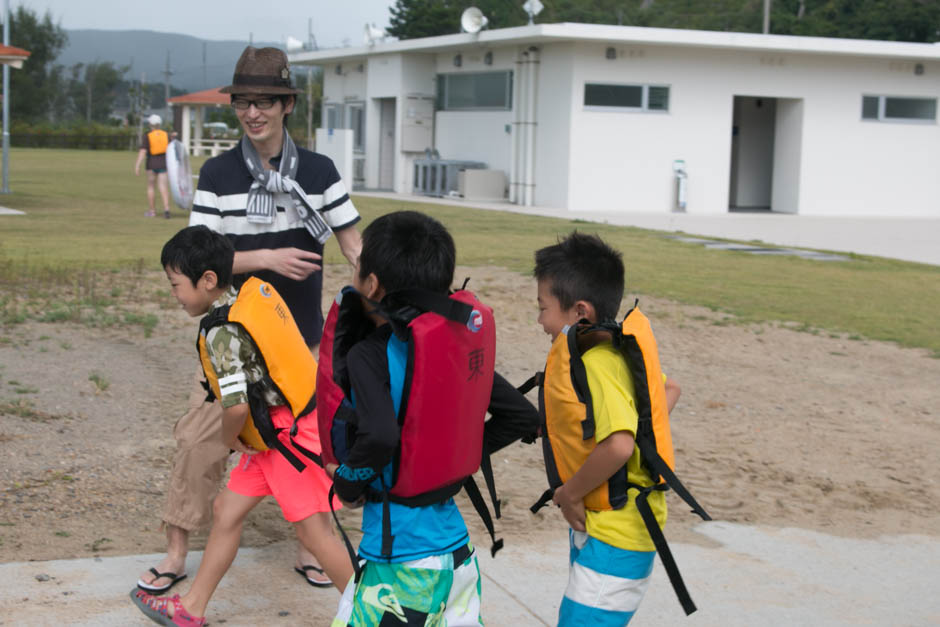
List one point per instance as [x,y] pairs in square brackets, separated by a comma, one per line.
[473,20]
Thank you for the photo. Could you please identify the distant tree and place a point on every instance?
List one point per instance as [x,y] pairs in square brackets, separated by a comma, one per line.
[94,89]
[33,89]
[889,20]
[411,19]
[893,20]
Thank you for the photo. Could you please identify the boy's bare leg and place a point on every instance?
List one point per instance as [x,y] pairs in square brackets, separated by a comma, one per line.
[163,184]
[177,546]
[229,513]
[151,182]
[317,536]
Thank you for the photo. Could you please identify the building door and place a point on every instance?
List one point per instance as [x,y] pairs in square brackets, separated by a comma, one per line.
[752,153]
[387,144]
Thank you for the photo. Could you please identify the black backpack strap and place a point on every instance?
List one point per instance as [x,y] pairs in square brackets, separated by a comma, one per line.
[387,538]
[531,383]
[476,497]
[544,500]
[651,456]
[258,407]
[316,459]
[349,549]
[659,541]
[440,304]
[486,466]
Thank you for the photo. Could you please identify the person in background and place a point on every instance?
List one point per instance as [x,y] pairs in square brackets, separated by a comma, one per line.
[153,148]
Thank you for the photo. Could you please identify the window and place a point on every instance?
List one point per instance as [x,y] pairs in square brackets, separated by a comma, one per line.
[894,109]
[474,91]
[634,97]
[356,120]
[332,116]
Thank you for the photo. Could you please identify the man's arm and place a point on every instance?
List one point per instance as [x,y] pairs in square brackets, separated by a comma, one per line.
[611,454]
[296,263]
[350,243]
[293,263]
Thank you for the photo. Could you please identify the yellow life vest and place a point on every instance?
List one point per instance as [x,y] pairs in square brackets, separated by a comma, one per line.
[568,424]
[290,368]
[158,141]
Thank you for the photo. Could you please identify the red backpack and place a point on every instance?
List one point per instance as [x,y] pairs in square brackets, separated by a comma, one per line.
[448,383]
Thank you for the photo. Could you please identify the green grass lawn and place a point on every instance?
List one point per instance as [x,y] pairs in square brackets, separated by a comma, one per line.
[85,215]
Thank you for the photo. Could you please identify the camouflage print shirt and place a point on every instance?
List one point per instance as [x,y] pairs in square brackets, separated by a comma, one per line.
[235,359]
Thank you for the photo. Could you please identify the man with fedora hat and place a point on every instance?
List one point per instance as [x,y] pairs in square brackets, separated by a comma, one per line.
[278,204]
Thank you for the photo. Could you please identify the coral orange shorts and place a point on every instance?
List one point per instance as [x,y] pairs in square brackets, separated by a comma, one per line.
[299,494]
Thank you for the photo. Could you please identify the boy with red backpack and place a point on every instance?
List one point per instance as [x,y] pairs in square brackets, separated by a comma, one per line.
[416,368]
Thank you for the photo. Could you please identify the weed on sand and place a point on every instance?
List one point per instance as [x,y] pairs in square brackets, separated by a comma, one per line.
[79,252]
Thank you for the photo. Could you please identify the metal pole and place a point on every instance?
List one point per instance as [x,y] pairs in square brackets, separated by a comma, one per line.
[767,16]
[6,102]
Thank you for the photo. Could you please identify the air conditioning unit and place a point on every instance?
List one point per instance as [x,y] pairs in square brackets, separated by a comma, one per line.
[482,184]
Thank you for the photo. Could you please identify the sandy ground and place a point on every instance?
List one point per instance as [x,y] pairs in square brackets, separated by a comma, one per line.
[776,427]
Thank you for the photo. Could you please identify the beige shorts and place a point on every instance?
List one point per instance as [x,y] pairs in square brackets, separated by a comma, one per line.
[199,462]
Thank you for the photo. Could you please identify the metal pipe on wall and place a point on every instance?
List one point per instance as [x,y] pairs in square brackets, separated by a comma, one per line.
[515,157]
[532,78]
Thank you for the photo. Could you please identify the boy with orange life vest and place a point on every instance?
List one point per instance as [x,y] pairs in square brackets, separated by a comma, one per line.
[595,416]
[263,374]
[416,366]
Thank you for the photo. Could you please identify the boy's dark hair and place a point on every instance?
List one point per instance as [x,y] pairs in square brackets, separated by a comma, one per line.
[196,249]
[583,267]
[407,249]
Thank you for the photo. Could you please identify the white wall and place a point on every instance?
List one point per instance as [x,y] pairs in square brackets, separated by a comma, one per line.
[553,136]
[475,135]
[621,161]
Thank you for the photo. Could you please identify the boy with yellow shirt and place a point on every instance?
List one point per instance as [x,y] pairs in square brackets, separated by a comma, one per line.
[581,279]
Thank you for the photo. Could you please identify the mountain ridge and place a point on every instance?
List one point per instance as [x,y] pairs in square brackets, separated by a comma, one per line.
[195,64]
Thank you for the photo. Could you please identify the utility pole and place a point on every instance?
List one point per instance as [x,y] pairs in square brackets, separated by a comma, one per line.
[767,4]
[167,73]
[6,102]
[141,100]
[312,45]
[205,80]
[90,70]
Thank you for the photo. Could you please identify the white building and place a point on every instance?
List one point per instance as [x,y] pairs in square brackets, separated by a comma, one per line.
[593,117]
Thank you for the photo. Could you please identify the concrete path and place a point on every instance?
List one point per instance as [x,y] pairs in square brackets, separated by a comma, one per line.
[754,576]
[910,239]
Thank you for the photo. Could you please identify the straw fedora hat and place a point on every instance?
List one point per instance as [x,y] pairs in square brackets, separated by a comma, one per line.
[261,71]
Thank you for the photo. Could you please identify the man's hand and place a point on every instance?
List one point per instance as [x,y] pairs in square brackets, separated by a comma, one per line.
[293,263]
[571,509]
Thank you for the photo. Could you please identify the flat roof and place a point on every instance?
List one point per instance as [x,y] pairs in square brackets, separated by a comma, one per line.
[568,31]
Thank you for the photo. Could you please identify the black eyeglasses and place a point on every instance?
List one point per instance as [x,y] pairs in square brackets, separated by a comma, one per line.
[260,103]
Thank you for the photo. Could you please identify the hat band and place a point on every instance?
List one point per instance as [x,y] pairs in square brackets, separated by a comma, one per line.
[259,80]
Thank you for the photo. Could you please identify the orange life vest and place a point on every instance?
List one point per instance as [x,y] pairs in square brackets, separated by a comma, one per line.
[158,141]
[289,367]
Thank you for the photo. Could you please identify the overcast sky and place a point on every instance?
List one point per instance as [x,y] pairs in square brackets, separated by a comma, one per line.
[333,20]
